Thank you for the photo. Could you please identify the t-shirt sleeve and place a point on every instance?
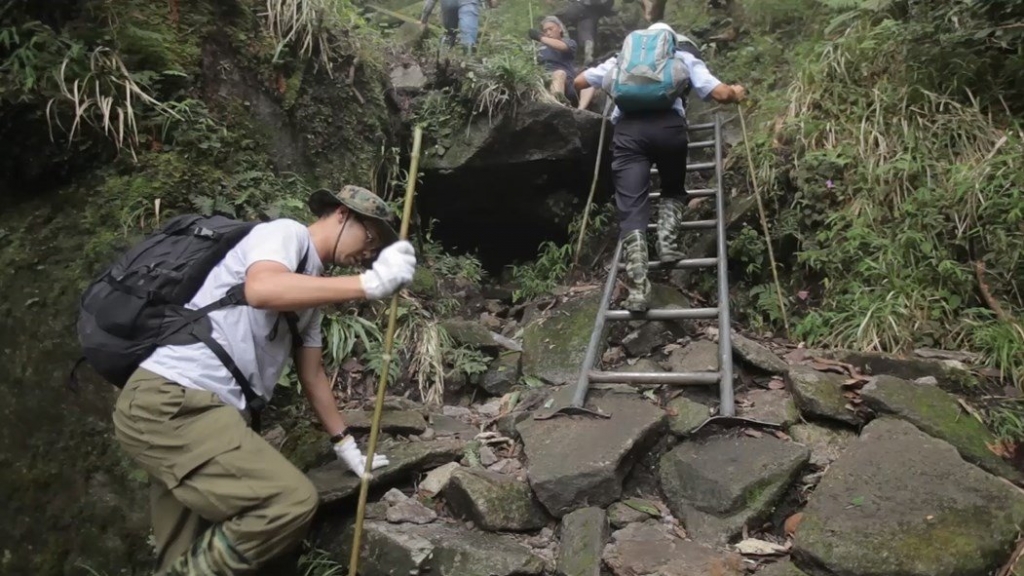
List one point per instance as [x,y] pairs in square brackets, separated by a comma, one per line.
[571,44]
[702,80]
[312,335]
[594,76]
[283,241]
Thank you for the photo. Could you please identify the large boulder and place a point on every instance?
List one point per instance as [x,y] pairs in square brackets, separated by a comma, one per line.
[950,374]
[575,462]
[555,343]
[537,132]
[718,486]
[938,414]
[901,502]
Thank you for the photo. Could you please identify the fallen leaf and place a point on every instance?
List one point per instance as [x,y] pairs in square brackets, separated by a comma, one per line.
[752,433]
[680,532]
[792,523]
[755,547]
[1002,448]
[782,435]
[970,410]
[644,506]
[796,356]
[776,384]
[803,294]
[930,517]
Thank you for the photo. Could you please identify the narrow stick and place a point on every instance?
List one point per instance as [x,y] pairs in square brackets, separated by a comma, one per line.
[764,224]
[389,340]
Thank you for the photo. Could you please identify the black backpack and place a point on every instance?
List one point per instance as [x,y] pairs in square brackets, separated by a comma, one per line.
[138,303]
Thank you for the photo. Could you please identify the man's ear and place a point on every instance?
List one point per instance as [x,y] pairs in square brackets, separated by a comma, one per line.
[341,213]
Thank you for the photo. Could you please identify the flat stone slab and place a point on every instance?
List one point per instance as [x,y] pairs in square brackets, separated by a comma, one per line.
[938,414]
[697,356]
[493,501]
[685,415]
[820,394]
[903,503]
[826,444]
[503,374]
[584,534]
[440,549]
[770,406]
[650,549]
[950,374]
[444,425]
[404,422]
[757,355]
[334,481]
[718,486]
[580,461]
[554,344]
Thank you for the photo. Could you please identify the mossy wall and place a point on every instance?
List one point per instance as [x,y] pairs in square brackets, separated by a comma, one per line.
[251,137]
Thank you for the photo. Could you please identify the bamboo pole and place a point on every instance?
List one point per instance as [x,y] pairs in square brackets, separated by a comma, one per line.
[364,487]
[764,224]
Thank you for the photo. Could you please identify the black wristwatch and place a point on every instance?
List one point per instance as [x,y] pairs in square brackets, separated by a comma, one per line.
[338,437]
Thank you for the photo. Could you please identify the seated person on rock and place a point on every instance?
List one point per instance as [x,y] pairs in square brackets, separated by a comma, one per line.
[223,500]
[556,55]
[585,15]
[654,132]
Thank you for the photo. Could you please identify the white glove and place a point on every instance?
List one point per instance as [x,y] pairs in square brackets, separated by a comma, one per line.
[347,451]
[393,268]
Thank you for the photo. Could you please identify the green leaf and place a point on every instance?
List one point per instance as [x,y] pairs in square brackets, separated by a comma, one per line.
[644,506]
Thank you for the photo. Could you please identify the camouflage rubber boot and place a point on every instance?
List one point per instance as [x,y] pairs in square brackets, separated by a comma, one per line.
[634,248]
[670,218]
[211,553]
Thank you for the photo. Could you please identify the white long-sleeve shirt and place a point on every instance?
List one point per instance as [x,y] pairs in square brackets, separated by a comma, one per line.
[701,79]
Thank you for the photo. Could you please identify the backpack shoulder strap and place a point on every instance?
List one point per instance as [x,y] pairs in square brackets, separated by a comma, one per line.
[291,317]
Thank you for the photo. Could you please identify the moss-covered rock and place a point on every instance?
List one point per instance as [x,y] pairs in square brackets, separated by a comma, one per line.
[901,502]
[939,414]
[424,283]
[555,343]
[493,501]
[820,394]
[584,533]
[685,415]
[503,373]
[717,487]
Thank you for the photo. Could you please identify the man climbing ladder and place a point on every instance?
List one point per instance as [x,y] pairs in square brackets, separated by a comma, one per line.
[650,127]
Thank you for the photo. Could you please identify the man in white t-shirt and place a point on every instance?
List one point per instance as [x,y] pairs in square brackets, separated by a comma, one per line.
[223,500]
[654,137]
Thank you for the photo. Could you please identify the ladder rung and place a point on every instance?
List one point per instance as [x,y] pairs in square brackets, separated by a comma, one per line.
[701,144]
[700,193]
[679,264]
[691,225]
[696,167]
[705,126]
[664,314]
[698,378]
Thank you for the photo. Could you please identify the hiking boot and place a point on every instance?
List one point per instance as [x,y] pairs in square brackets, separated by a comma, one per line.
[670,218]
[588,52]
[634,248]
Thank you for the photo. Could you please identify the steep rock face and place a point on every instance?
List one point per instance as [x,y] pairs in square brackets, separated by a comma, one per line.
[516,178]
[71,494]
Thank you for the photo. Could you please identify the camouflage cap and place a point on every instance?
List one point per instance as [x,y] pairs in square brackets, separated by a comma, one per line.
[376,211]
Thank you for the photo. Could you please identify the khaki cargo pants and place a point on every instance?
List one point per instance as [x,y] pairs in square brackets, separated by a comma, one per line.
[223,500]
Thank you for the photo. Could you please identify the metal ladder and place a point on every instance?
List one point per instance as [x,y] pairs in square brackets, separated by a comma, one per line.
[724,375]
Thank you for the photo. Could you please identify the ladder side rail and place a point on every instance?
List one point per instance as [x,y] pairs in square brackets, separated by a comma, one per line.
[726,399]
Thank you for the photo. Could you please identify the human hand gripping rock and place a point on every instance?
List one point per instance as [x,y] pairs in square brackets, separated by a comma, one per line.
[348,452]
[393,269]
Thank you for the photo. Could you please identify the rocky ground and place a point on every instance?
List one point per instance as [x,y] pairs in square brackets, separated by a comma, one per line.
[859,465]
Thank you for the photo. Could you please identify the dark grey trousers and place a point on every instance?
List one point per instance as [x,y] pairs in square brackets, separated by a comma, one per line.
[641,140]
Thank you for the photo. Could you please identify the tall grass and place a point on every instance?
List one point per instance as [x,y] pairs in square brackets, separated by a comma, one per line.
[909,214]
